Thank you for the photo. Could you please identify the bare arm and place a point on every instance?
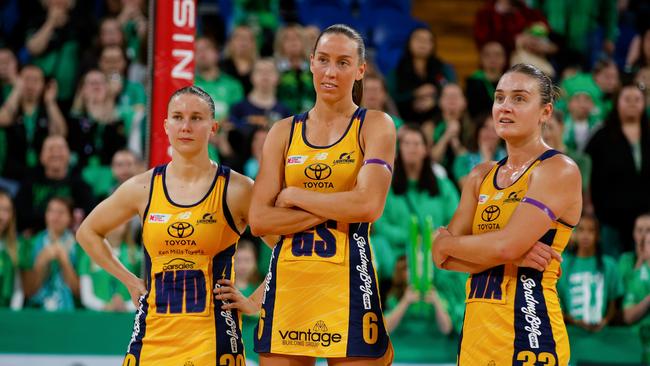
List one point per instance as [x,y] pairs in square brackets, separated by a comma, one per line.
[127,201]
[11,105]
[365,202]
[556,183]
[634,313]
[443,320]
[37,43]
[240,191]
[57,125]
[33,279]
[461,222]
[394,317]
[69,274]
[264,217]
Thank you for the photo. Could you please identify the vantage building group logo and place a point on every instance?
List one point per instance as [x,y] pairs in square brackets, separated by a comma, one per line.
[319,335]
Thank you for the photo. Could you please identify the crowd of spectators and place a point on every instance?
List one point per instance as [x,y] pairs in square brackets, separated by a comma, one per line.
[72,128]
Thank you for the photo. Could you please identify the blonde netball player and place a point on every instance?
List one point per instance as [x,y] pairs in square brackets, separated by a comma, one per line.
[324,177]
[193,212]
[524,206]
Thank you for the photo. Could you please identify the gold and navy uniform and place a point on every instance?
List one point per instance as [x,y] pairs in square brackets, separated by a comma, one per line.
[187,248]
[322,297]
[512,314]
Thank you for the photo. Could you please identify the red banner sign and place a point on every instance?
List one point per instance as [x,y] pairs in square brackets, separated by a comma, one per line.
[171,66]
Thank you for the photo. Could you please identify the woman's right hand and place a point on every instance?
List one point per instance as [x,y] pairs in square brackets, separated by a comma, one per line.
[137,289]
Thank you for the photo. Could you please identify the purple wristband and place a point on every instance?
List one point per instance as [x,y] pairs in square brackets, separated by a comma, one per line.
[380,162]
[541,206]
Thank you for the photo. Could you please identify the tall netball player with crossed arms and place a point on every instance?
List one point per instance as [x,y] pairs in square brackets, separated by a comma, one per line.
[514,217]
[324,177]
[193,211]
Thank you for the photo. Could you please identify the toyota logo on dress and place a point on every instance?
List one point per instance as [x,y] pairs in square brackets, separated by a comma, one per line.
[490,213]
[318,171]
[180,229]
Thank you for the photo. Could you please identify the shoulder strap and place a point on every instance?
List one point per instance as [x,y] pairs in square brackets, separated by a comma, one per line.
[224,171]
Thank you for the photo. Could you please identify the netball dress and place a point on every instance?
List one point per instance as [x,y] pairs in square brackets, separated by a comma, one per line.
[322,297]
[187,248]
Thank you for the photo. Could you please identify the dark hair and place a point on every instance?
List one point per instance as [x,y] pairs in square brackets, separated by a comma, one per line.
[642,61]
[397,289]
[357,89]
[602,64]
[549,92]
[477,124]
[65,201]
[244,244]
[427,180]
[614,117]
[195,90]
[599,250]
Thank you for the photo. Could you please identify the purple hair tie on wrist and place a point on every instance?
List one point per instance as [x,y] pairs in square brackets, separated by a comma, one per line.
[380,162]
[541,206]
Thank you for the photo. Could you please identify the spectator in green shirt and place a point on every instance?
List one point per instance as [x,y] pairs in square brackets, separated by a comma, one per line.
[8,72]
[130,96]
[240,55]
[52,283]
[418,323]
[224,89]
[578,23]
[415,192]
[28,116]
[553,134]
[637,298]
[295,89]
[401,315]
[590,284]
[483,145]
[247,279]
[375,96]
[12,255]
[99,290]
[449,132]
[582,117]
[628,261]
[55,42]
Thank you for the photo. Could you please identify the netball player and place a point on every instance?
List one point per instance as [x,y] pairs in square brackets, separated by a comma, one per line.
[524,206]
[323,179]
[193,211]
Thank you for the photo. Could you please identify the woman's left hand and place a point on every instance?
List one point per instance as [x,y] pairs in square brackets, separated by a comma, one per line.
[232,298]
[284,198]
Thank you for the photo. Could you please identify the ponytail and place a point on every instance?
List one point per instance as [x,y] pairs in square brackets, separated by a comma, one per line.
[357,92]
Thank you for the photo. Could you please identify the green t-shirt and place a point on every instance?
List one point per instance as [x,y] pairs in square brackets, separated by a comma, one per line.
[626,263]
[224,90]
[390,233]
[464,163]
[451,289]
[133,94]
[54,294]
[394,225]
[417,338]
[637,288]
[9,269]
[104,284]
[585,290]
[61,64]
[296,90]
